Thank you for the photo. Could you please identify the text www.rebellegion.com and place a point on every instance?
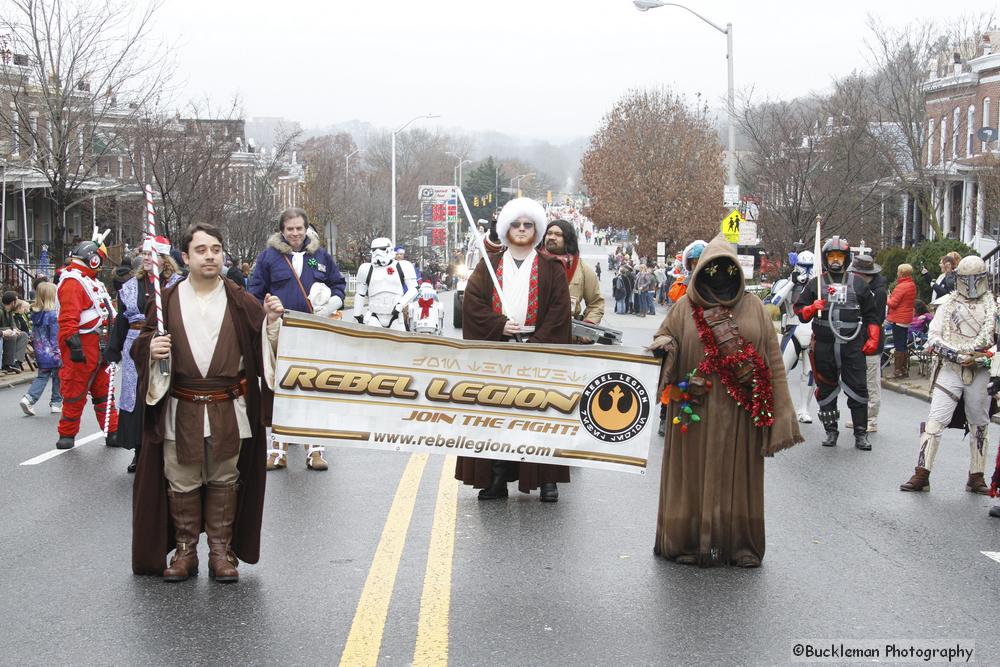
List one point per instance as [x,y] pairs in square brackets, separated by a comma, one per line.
[461,442]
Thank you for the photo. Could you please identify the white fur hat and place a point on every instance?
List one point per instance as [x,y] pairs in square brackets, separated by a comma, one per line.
[517,208]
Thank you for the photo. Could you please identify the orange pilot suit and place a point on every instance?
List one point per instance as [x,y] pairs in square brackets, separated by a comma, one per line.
[85,310]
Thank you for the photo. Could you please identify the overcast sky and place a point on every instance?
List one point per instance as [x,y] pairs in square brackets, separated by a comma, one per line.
[548,69]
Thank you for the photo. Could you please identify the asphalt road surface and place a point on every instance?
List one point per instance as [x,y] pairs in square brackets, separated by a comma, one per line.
[385,560]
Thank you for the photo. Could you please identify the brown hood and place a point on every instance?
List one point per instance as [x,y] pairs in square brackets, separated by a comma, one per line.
[698,290]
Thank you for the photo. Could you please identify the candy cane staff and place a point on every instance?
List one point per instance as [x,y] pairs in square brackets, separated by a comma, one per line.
[85,312]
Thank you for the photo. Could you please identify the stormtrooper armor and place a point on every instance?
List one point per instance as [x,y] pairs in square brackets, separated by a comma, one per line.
[795,334]
[426,311]
[385,287]
[962,335]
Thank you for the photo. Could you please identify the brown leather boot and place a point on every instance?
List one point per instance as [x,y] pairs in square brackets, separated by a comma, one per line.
[900,365]
[185,512]
[977,484]
[220,514]
[919,482]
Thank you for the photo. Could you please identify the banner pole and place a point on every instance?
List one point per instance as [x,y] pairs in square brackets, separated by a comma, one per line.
[482,250]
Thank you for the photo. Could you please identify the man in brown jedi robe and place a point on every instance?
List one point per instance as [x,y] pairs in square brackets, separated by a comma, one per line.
[203,452]
[723,363]
[537,293]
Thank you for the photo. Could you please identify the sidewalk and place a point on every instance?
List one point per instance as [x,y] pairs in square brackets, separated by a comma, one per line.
[917,386]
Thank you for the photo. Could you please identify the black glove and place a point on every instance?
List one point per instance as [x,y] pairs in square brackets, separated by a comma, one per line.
[112,356]
[360,319]
[75,349]
[659,352]
[994,388]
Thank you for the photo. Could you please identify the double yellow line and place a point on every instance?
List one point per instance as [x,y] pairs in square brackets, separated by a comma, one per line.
[364,642]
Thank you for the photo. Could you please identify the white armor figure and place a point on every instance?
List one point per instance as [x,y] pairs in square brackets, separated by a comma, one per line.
[426,311]
[962,335]
[796,335]
[385,286]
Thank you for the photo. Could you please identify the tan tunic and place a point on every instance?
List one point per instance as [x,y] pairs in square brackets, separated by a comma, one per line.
[205,358]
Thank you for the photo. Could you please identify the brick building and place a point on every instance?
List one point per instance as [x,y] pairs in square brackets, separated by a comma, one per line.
[959,103]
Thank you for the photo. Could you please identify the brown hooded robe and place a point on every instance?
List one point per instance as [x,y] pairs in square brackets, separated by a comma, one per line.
[712,482]
[152,530]
[481,322]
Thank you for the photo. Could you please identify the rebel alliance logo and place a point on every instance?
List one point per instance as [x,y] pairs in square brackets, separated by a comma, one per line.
[614,407]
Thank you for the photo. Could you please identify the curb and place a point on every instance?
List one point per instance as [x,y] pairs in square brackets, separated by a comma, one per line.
[10,382]
[922,395]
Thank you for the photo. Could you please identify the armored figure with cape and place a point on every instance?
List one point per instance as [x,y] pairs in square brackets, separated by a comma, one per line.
[722,361]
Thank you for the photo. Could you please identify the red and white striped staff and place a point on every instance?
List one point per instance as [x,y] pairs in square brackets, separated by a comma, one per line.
[150,241]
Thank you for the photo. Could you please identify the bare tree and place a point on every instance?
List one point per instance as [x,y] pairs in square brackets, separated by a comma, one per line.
[655,167]
[74,72]
[902,59]
[812,156]
[188,161]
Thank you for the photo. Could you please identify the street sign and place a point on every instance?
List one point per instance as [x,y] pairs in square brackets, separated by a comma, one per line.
[730,226]
[748,233]
[731,196]
[746,263]
[661,248]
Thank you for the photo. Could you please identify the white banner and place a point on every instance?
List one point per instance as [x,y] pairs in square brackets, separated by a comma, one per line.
[347,384]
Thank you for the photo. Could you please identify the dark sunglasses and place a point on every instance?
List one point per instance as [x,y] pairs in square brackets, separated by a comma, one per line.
[522,225]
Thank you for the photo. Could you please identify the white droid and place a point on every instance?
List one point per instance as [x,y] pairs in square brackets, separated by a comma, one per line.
[385,287]
[796,335]
[426,311]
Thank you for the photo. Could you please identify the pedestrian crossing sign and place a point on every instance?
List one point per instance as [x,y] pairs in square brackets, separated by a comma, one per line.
[730,226]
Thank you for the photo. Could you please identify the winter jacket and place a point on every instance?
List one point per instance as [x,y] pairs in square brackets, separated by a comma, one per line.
[45,338]
[901,302]
[944,284]
[273,274]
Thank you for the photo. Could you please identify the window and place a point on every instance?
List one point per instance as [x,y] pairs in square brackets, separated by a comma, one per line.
[944,138]
[956,121]
[969,132]
[986,119]
[930,142]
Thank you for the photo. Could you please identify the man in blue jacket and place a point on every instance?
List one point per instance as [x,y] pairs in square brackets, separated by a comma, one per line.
[288,268]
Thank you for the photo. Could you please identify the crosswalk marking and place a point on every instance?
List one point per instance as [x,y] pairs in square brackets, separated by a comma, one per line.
[994,555]
[52,453]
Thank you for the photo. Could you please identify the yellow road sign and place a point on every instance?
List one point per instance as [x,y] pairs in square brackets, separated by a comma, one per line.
[730,226]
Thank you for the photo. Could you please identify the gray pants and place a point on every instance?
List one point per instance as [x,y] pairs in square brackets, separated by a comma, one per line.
[15,349]
[949,386]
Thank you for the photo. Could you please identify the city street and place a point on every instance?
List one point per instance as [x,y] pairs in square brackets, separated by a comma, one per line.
[351,557]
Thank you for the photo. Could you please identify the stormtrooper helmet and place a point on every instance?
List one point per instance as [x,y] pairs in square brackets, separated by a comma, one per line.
[971,279]
[382,253]
[803,267]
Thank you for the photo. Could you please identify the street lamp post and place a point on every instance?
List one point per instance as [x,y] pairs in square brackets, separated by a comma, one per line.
[645,5]
[394,133]
[456,177]
[518,179]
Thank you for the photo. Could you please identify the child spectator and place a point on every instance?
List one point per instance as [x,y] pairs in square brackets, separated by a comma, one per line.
[44,338]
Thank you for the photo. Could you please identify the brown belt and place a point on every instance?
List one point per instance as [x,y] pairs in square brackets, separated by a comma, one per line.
[137,325]
[228,394]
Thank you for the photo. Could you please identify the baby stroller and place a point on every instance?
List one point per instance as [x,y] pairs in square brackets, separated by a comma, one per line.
[916,340]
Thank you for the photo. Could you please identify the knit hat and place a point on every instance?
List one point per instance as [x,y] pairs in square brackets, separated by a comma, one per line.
[517,208]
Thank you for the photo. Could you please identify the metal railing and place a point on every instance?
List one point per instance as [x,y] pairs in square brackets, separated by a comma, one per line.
[16,275]
[992,259]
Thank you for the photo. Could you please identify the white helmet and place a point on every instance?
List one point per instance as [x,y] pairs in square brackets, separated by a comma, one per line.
[382,253]
[803,267]
[971,279]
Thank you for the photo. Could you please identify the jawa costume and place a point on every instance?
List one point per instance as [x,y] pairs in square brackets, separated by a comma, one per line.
[85,313]
[728,408]
[203,450]
[845,330]
[962,335]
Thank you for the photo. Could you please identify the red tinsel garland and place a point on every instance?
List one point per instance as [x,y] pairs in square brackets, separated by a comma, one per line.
[758,400]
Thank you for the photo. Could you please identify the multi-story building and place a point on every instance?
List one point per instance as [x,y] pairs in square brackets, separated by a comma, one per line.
[959,104]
